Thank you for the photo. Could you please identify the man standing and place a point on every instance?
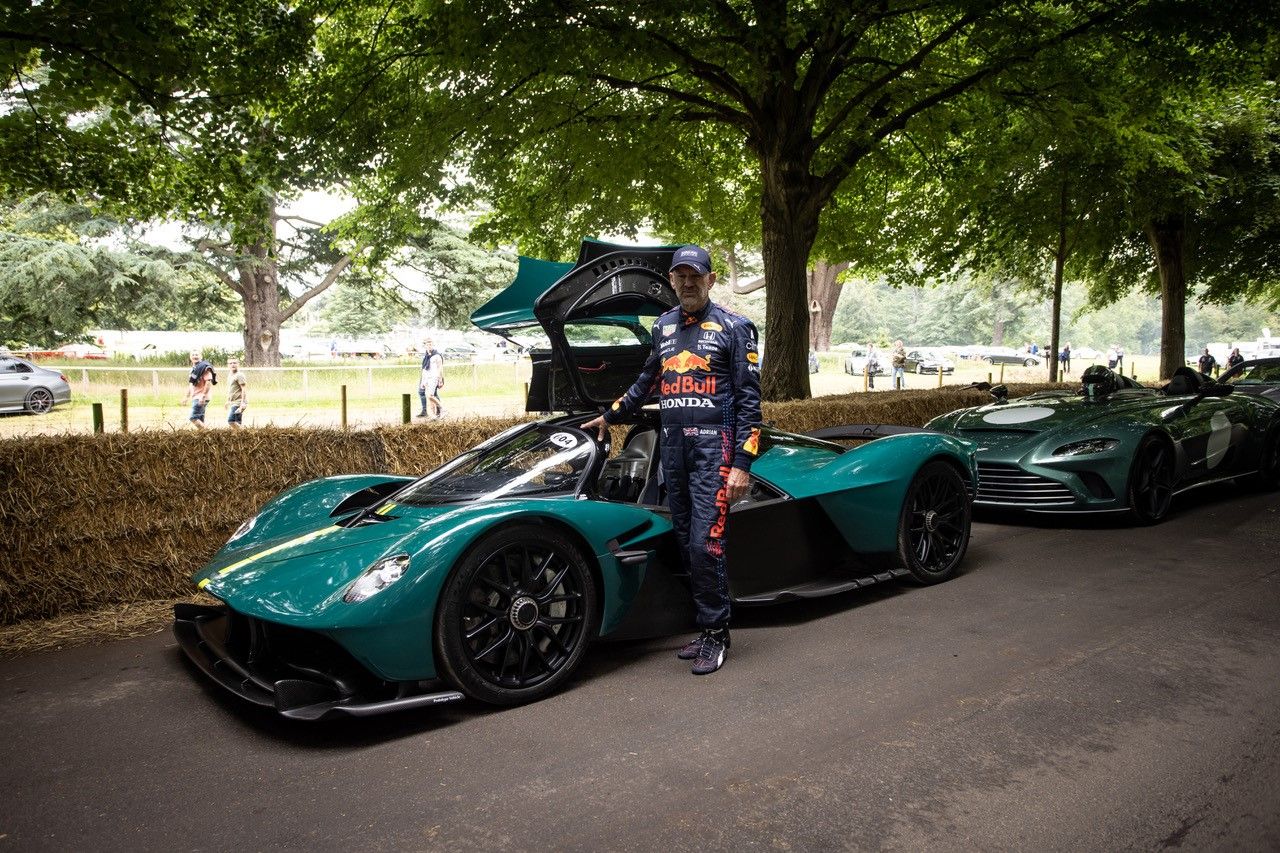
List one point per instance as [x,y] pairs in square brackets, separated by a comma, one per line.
[430,380]
[237,396]
[1207,362]
[706,370]
[199,388]
[899,366]
[1235,357]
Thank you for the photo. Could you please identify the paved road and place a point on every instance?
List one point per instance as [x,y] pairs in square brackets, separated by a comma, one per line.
[1090,688]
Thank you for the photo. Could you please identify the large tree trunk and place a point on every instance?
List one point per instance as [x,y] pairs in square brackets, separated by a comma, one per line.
[262,315]
[1167,236]
[1059,262]
[824,293]
[789,209]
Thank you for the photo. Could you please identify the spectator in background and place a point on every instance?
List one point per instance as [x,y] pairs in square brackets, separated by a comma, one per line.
[431,380]
[237,396]
[1119,358]
[899,366]
[199,388]
[1207,362]
[1235,357]
[873,364]
[1064,359]
[1111,357]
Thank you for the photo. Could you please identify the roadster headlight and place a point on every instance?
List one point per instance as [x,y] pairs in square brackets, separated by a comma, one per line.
[1090,445]
[376,578]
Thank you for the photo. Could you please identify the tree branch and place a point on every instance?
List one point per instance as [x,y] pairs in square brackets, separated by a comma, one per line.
[330,277]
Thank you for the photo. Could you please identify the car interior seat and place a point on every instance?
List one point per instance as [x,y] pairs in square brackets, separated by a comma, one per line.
[625,475]
[1184,381]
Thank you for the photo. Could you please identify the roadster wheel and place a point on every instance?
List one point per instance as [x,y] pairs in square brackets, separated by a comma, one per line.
[40,401]
[1151,481]
[516,615]
[933,528]
[1268,476]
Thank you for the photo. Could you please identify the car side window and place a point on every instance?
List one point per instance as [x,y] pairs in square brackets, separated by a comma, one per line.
[10,366]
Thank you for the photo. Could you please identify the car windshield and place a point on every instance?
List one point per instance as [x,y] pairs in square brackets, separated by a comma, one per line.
[527,461]
[1256,374]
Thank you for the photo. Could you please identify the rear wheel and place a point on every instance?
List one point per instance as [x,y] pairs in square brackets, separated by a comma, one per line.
[919,368]
[1151,481]
[1268,476]
[933,528]
[516,615]
[40,401]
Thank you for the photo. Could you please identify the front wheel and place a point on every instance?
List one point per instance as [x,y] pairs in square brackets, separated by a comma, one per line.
[919,369]
[1030,362]
[935,522]
[1151,481]
[516,615]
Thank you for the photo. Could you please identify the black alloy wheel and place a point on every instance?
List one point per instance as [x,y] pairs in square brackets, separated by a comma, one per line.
[40,401]
[516,615]
[1151,481]
[934,526]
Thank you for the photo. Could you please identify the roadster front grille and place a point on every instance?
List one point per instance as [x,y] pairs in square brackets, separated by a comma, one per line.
[1008,485]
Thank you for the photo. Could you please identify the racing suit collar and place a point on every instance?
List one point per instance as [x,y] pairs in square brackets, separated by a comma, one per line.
[697,316]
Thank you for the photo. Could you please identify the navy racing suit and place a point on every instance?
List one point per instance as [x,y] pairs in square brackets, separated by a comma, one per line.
[705,371]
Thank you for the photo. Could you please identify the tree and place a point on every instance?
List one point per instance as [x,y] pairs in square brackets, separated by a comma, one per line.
[573,113]
[65,269]
[210,113]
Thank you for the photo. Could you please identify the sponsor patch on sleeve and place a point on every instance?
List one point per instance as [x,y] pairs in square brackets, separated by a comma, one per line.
[668,329]
[753,357]
[752,444]
[617,404]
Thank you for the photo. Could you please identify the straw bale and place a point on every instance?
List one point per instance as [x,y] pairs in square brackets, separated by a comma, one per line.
[91,522]
[118,622]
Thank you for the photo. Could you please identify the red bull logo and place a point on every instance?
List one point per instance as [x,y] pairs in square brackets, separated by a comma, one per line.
[705,387]
[684,362]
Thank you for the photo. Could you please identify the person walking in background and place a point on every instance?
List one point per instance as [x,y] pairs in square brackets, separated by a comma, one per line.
[1207,362]
[1064,359]
[199,388]
[430,381]
[1119,358]
[1111,357]
[237,396]
[899,365]
[873,364]
[1235,357]
[710,435]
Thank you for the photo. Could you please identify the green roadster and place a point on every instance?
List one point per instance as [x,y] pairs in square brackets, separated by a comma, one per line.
[489,576]
[1116,446]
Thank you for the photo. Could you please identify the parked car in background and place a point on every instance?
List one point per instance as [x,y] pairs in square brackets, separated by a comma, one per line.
[928,361]
[855,363]
[1084,353]
[82,351]
[24,387]
[1009,355]
[458,352]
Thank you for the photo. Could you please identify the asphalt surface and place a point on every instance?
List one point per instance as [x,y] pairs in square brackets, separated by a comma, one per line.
[1093,687]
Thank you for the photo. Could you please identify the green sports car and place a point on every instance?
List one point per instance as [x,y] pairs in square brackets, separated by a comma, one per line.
[1116,446]
[488,576]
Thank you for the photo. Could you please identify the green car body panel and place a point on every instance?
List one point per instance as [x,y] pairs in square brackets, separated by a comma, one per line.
[1022,444]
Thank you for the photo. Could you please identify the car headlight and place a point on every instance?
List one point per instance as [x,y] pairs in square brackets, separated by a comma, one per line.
[1090,445]
[376,578]
[243,529]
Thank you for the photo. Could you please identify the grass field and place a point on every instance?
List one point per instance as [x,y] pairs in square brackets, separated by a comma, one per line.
[311,396]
